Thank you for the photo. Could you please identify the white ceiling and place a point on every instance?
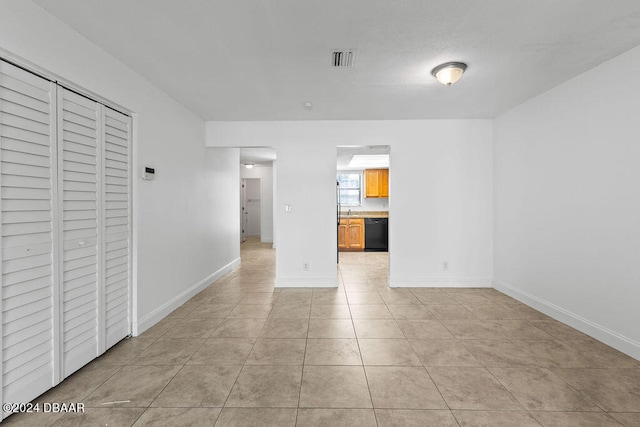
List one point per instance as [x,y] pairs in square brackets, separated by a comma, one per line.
[257,155]
[263,59]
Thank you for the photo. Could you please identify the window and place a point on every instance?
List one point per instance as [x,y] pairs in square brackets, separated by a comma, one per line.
[350,188]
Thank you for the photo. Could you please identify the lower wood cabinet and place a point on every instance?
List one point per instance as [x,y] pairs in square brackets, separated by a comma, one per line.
[351,234]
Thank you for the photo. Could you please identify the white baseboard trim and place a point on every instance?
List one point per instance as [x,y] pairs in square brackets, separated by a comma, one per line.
[440,282]
[267,239]
[306,282]
[599,332]
[161,312]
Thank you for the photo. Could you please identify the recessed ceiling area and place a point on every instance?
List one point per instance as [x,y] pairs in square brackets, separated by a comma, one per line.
[262,60]
[257,155]
[346,155]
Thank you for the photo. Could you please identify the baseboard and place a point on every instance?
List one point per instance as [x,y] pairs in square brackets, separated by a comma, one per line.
[267,239]
[161,312]
[306,282]
[440,282]
[599,332]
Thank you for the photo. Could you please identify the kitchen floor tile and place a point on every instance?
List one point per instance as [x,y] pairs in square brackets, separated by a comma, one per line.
[332,352]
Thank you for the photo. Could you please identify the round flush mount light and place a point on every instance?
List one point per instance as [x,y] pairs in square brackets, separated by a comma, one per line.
[307,105]
[249,165]
[449,72]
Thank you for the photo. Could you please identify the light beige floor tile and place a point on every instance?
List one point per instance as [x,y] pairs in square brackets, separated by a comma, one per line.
[364,298]
[266,386]
[32,419]
[518,330]
[388,352]
[80,384]
[132,386]
[257,417]
[125,351]
[492,311]
[559,331]
[330,311]
[495,419]
[370,311]
[462,297]
[498,353]
[251,311]
[398,296]
[443,353]
[169,417]
[472,330]
[334,387]
[211,311]
[472,388]
[552,354]
[451,312]
[239,328]
[628,419]
[336,418]
[409,312]
[403,388]
[101,416]
[277,351]
[259,298]
[537,389]
[331,328]
[290,311]
[424,329]
[614,390]
[415,418]
[222,351]
[435,297]
[377,328]
[570,419]
[295,298]
[174,351]
[332,352]
[193,328]
[285,328]
[329,297]
[197,385]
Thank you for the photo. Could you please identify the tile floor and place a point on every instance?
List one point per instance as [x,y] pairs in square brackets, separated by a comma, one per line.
[242,353]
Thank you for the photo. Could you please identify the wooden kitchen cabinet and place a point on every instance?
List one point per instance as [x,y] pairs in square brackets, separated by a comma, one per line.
[351,234]
[376,182]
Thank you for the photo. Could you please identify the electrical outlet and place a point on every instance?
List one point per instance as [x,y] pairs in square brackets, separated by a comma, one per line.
[305,266]
[445,265]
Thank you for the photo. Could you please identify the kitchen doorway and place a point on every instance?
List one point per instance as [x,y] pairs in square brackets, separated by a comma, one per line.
[362,203]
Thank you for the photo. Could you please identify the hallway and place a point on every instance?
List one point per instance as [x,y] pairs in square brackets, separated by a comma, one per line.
[242,353]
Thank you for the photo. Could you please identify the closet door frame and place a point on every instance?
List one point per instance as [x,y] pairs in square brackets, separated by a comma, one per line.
[56,81]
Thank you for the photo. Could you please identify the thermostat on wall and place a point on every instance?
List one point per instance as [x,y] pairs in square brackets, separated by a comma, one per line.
[148,173]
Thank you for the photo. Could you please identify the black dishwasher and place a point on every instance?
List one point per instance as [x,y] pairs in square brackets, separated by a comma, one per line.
[376,234]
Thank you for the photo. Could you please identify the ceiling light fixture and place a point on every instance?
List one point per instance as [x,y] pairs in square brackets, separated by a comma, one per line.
[249,165]
[449,72]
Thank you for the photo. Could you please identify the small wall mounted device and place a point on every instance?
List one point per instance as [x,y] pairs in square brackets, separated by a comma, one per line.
[148,173]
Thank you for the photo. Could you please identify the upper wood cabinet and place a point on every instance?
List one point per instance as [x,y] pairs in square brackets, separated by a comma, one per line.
[376,182]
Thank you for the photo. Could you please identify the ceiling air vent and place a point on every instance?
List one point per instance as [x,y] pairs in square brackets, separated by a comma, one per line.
[343,58]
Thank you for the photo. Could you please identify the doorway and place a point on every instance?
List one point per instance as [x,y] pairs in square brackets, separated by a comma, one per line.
[251,205]
[362,200]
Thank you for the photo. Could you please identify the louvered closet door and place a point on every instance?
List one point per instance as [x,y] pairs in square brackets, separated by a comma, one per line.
[117,212]
[27,136]
[79,135]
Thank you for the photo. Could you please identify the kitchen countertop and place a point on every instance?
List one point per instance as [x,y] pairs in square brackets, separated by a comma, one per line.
[365,214]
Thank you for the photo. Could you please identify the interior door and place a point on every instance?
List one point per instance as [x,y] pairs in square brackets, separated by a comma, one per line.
[117,229]
[27,181]
[79,136]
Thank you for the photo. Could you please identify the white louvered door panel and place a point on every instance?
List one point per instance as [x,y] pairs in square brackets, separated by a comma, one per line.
[79,163]
[27,180]
[117,242]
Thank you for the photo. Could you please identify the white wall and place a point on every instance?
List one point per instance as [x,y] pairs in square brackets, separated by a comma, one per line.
[183,230]
[567,211]
[440,188]
[264,172]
